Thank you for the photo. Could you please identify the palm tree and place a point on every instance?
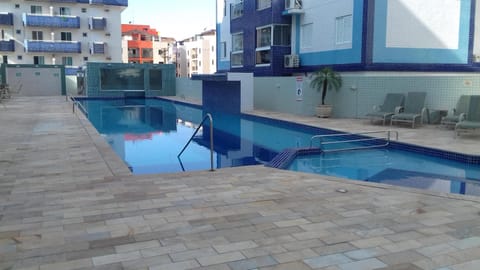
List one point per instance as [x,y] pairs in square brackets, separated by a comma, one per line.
[325,79]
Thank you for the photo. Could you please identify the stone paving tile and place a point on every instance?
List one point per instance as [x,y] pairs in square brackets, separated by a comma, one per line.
[68,202]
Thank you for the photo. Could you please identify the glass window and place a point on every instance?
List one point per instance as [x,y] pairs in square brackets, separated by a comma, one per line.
[65,11]
[5,59]
[281,35]
[237,42]
[37,35]
[237,50]
[343,27]
[262,57]
[261,4]
[264,37]
[36,9]
[38,60]
[306,35]
[67,61]
[236,10]
[66,36]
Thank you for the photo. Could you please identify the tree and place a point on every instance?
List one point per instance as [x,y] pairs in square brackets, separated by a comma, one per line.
[324,79]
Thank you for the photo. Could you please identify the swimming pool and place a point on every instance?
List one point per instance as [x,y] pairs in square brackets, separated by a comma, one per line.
[148,134]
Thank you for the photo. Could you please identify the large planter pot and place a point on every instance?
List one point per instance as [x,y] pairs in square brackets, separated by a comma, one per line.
[323,111]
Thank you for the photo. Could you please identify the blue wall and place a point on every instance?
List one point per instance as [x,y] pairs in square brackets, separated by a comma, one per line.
[221,96]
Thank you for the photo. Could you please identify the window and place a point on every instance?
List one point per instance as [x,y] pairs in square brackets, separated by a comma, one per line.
[224,8]
[223,50]
[19,57]
[343,28]
[236,10]
[85,58]
[67,61]
[85,34]
[237,50]
[66,36]
[17,5]
[65,11]
[265,39]
[18,31]
[213,62]
[213,48]
[5,59]
[36,9]
[306,35]
[281,35]
[37,35]
[38,60]
[199,63]
[84,10]
[262,4]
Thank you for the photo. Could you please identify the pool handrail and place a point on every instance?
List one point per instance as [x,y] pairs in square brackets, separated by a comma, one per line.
[207,116]
[79,105]
[387,140]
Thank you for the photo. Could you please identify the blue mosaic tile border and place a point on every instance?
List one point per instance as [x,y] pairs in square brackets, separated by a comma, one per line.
[283,159]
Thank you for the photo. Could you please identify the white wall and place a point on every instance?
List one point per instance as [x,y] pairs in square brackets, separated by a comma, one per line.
[322,14]
[435,24]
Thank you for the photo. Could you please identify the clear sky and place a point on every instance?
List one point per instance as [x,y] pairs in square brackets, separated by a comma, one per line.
[172,18]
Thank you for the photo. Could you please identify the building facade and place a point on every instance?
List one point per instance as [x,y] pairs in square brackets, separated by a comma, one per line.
[197,55]
[68,32]
[143,44]
[283,37]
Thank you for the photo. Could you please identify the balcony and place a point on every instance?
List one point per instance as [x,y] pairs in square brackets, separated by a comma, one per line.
[293,7]
[97,23]
[123,3]
[97,48]
[39,20]
[7,45]
[6,18]
[53,46]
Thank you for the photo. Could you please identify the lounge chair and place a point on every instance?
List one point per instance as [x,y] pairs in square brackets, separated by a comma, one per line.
[457,114]
[414,109]
[389,107]
[471,124]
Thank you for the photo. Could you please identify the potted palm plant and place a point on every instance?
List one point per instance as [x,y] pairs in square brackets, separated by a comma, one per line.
[324,79]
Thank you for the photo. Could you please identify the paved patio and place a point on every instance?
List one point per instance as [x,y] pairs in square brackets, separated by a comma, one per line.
[68,202]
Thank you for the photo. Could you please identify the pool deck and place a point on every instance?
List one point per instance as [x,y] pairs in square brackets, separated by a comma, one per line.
[68,202]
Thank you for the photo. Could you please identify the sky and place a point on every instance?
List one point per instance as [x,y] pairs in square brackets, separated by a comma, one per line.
[172,18]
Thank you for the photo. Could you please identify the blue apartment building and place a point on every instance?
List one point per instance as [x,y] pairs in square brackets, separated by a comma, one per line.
[284,37]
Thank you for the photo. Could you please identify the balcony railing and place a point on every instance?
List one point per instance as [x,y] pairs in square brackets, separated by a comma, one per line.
[236,11]
[110,2]
[6,18]
[39,20]
[56,46]
[7,45]
[97,48]
[97,23]
[94,2]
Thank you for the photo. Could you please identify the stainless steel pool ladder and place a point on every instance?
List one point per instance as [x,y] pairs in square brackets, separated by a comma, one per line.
[388,136]
[78,104]
[207,116]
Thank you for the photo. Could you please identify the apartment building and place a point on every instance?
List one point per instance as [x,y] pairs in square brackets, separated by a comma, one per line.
[142,42]
[282,37]
[197,54]
[67,32]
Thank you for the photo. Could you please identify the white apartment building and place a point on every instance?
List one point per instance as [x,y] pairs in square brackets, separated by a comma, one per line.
[197,55]
[68,32]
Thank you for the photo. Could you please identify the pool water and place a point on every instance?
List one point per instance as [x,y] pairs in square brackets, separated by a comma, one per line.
[148,134]
[395,167]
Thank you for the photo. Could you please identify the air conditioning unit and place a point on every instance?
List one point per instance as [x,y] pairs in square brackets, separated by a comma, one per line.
[293,4]
[291,61]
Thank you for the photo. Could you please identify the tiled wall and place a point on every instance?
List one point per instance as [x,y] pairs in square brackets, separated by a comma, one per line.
[94,83]
[361,91]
